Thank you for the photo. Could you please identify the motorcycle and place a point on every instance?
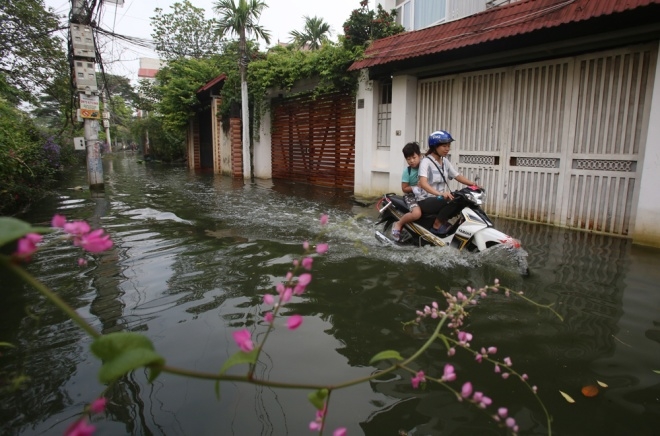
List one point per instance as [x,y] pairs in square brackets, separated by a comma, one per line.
[470,229]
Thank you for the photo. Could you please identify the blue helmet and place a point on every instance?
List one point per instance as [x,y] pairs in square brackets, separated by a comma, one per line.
[439,137]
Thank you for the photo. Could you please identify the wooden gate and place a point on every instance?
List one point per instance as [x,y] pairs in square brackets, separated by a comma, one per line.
[313,140]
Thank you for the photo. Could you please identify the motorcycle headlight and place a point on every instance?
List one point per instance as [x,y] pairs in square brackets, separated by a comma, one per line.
[476,197]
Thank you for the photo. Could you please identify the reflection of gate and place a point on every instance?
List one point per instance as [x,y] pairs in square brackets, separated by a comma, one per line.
[313,140]
[555,142]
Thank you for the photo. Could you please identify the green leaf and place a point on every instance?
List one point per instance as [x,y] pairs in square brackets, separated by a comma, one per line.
[123,352]
[317,398]
[657,371]
[12,229]
[7,344]
[238,358]
[384,355]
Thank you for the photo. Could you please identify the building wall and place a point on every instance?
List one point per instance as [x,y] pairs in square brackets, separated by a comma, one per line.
[564,142]
[647,225]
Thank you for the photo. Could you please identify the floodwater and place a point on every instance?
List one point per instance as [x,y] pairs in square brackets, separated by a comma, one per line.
[195,253]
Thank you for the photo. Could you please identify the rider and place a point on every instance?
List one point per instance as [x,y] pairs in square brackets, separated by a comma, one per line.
[409,180]
[435,171]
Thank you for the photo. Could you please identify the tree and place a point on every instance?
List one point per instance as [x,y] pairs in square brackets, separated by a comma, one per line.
[314,34]
[29,53]
[242,19]
[365,25]
[185,33]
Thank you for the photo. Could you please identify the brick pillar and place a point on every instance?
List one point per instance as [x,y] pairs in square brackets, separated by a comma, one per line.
[236,148]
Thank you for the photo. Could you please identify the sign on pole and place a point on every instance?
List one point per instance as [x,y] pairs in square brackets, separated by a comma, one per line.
[89,107]
[79,143]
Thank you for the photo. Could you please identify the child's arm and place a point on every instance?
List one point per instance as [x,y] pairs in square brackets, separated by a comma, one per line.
[406,187]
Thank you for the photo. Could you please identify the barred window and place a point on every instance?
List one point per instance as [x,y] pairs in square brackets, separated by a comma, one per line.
[384,115]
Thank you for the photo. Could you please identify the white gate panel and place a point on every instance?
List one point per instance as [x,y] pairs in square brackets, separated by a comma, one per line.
[612,98]
[555,142]
[435,105]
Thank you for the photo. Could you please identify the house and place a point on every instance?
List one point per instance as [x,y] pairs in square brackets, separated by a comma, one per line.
[554,104]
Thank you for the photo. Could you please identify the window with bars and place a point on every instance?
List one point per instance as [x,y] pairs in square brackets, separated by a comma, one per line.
[384,115]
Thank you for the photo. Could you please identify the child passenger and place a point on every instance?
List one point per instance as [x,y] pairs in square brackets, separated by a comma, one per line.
[409,187]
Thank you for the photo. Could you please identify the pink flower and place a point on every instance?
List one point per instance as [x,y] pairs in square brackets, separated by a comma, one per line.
[286,296]
[294,322]
[269,299]
[94,242]
[76,228]
[485,402]
[27,245]
[507,361]
[298,289]
[466,390]
[82,262]
[80,428]
[448,374]
[307,262]
[304,279]
[315,426]
[503,412]
[98,405]
[510,422]
[464,337]
[306,245]
[341,431]
[269,317]
[243,340]
[321,248]
[419,378]
[58,221]
[324,219]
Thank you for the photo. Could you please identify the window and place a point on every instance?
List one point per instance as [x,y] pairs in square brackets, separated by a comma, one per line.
[384,115]
[418,14]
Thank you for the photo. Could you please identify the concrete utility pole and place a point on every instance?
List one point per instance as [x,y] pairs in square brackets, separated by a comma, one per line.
[106,119]
[84,73]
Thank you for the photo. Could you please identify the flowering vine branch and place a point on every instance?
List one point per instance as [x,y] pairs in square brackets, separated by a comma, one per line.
[123,352]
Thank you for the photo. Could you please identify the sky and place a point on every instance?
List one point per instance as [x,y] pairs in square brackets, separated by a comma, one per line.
[132,19]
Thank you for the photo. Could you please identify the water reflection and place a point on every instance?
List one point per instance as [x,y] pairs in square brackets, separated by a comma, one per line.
[195,253]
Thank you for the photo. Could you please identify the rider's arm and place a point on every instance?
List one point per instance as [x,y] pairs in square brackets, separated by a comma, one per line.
[406,187]
[425,185]
[464,180]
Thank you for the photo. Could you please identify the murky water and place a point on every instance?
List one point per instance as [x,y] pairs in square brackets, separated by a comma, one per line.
[194,254]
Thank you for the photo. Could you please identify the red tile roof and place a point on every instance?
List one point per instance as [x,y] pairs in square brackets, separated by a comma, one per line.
[212,83]
[516,19]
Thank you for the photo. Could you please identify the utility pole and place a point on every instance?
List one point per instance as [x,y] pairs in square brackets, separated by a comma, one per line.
[106,120]
[84,73]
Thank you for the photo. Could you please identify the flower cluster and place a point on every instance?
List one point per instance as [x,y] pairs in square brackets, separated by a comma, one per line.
[93,241]
[455,315]
[292,285]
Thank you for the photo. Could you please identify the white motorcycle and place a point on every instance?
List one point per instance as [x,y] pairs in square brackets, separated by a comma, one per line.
[470,230]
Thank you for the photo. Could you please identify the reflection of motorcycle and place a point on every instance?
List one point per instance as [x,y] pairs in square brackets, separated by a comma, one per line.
[471,229]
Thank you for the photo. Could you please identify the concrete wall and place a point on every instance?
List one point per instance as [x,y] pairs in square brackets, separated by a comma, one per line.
[647,224]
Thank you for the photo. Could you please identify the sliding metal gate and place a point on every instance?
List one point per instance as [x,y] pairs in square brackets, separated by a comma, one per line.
[555,142]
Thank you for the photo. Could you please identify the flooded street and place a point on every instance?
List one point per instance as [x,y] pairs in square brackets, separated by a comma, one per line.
[194,254]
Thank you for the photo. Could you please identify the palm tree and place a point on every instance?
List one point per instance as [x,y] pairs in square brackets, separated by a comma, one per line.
[314,34]
[242,19]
